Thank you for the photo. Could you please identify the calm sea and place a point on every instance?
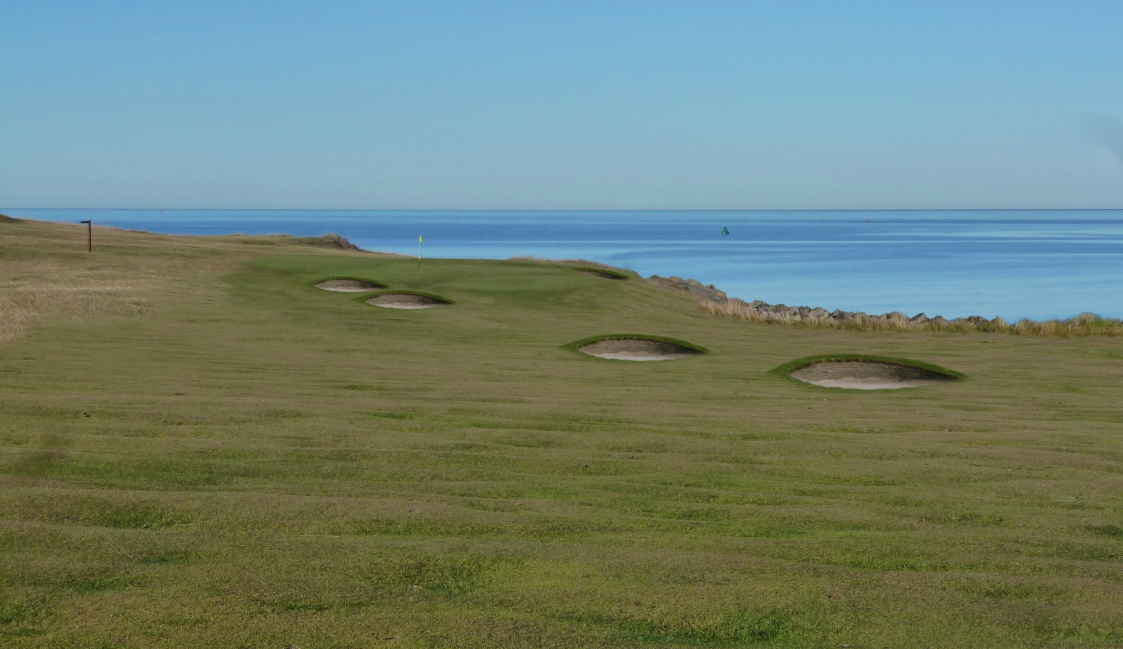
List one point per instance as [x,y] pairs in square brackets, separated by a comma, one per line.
[1017,263]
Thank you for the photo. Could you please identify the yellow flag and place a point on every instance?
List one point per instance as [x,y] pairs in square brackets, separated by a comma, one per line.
[419,239]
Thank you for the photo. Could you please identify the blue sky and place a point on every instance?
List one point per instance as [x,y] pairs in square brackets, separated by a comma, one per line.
[570,105]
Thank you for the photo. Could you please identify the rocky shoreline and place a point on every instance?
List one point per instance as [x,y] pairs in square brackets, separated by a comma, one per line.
[714,300]
[768,311]
[692,286]
[765,312]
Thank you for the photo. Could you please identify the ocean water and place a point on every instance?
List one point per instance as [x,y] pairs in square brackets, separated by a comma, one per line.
[1013,263]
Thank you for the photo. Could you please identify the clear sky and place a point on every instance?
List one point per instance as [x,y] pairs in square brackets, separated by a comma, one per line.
[539,105]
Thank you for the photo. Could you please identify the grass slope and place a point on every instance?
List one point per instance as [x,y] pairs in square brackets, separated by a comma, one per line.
[197,448]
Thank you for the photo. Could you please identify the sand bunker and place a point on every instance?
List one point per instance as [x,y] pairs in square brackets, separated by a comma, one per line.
[349,285]
[607,274]
[406,301]
[868,375]
[637,349]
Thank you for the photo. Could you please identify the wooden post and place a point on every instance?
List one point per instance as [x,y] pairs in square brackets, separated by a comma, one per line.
[89,235]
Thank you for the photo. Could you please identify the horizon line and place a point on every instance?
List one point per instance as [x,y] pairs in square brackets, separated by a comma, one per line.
[593,209]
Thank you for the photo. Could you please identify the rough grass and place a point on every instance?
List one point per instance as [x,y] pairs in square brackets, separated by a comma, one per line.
[1083,325]
[333,240]
[34,287]
[248,462]
[47,274]
[576,264]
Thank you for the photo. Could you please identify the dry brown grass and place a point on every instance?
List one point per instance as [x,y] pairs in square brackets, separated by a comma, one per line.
[46,274]
[1085,324]
[61,295]
[47,287]
[568,262]
[334,240]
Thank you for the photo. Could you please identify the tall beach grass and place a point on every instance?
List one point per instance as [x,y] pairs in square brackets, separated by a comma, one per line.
[1085,324]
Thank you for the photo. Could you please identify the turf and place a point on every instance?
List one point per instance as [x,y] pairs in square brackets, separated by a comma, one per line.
[197,448]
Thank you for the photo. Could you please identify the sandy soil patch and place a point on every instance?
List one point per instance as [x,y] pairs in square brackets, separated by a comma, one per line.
[637,349]
[868,375]
[406,301]
[349,285]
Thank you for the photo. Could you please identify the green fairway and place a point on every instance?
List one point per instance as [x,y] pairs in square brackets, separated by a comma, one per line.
[200,448]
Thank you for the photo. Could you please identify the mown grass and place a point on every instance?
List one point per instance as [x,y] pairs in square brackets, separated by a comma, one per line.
[250,462]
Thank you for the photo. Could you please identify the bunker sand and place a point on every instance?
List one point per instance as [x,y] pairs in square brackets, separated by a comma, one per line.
[868,375]
[349,285]
[602,273]
[637,349]
[406,301]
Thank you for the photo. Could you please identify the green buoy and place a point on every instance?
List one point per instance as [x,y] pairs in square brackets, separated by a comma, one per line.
[725,232]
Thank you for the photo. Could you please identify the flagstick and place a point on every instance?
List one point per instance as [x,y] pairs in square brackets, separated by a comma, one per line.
[419,252]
